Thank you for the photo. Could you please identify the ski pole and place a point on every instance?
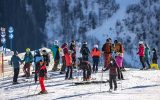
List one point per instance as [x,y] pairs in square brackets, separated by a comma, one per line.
[121,78]
[101,80]
[35,89]
[29,85]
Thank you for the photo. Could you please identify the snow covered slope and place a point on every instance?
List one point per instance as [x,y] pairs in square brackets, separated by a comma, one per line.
[139,85]
[129,39]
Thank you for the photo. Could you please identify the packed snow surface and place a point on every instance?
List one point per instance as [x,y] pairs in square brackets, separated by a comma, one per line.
[138,85]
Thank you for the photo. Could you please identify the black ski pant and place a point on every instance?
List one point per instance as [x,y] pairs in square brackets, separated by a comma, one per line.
[16,73]
[36,71]
[63,64]
[142,61]
[112,78]
[85,57]
[69,72]
[86,74]
[120,74]
[55,67]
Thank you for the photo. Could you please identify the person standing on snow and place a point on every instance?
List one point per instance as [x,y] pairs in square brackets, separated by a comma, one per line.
[37,59]
[28,59]
[46,58]
[42,73]
[56,55]
[107,51]
[95,53]
[154,58]
[63,51]
[68,59]
[15,60]
[112,67]
[85,51]
[141,54]
[73,50]
[147,55]
[119,58]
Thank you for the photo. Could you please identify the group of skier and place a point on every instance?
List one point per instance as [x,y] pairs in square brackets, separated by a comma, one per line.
[75,57]
[40,61]
[144,53]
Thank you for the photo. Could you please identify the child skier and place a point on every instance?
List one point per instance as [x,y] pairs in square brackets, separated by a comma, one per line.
[112,67]
[68,59]
[15,60]
[42,73]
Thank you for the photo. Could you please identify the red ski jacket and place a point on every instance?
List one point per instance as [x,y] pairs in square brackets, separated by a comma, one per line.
[141,50]
[68,59]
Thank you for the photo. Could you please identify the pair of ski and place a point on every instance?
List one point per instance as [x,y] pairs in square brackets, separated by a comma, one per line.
[41,94]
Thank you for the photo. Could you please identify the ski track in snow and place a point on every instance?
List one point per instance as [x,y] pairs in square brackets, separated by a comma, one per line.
[141,85]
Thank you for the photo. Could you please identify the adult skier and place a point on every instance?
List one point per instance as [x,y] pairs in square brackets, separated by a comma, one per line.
[141,54]
[107,50]
[155,57]
[28,59]
[46,57]
[56,55]
[85,51]
[147,55]
[63,51]
[95,53]
[119,57]
[73,50]
[68,59]
[15,60]
[37,59]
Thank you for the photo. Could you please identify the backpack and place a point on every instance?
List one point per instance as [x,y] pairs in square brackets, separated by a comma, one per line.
[85,51]
[108,48]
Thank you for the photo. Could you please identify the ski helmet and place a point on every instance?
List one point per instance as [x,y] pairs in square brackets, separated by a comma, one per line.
[140,42]
[28,50]
[95,46]
[56,42]
[85,43]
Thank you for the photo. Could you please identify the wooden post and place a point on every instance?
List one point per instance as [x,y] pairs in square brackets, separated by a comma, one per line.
[2,66]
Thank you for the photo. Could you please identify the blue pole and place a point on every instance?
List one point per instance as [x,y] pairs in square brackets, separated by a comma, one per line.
[11,44]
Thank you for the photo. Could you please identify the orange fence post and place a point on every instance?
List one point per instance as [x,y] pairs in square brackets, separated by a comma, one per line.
[2,66]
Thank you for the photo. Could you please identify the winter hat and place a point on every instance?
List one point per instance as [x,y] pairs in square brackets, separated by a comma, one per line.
[115,41]
[140,42]
[64,45]
[95,46]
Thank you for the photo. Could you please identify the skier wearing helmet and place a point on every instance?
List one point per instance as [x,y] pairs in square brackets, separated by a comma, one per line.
[95,53]
[56,55]
[84,51]
[28,59]
[141,54]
